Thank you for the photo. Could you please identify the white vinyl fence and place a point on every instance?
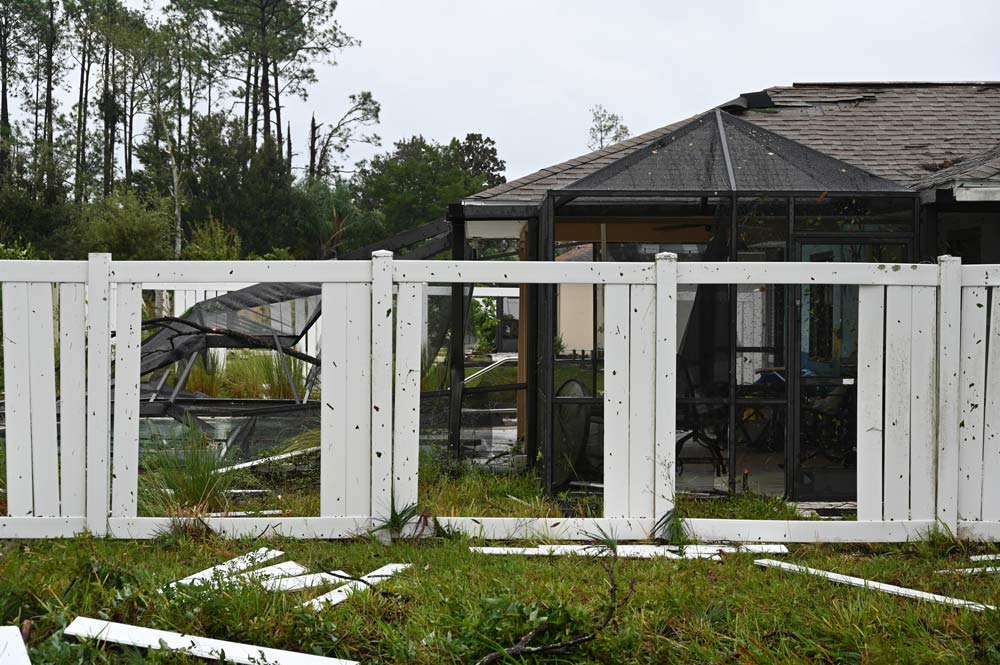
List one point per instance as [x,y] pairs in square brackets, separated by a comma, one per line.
[927,425]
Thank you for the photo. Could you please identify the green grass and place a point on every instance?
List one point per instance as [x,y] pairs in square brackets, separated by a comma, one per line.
[454,607]
[248,375]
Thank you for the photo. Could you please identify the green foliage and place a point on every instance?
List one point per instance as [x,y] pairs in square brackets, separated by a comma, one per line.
[212,241]
[606,128]
[248,375]
[415,183]
[184,482]
[17,251]
[484,323]
[127,227]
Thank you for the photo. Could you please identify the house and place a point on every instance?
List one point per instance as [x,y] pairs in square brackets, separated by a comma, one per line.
[843,172]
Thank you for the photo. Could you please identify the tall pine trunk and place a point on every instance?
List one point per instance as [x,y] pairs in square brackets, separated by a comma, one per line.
[49,125]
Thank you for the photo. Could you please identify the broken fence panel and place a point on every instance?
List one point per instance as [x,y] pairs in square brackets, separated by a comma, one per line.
[203,647]
[232,566]
[878,586]
[12,649]
[341,594]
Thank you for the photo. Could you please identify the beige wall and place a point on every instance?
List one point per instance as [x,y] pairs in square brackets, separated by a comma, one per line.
[576,320]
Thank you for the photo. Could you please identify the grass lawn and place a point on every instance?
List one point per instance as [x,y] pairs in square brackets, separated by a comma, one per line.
[453,606]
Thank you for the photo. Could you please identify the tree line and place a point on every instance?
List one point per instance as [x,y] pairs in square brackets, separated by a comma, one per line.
[164,135]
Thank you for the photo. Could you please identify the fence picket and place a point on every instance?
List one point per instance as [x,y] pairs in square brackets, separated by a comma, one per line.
[923,431]
[666,385]
[125,460]
[616,399]
[44,445]
[382,334]
[359,398]
[642,396]
[971,394]
[991,425]
[98,387]
[406,419]
[72,399]
[335,471]
[17,399]
[896,456]
[871,310]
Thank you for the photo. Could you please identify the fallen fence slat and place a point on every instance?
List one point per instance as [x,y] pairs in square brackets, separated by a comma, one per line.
[878,586]
[12,649]
[203,647]
[985,557]
[972,571]
[232,566]
[266,460]
[277,571]
[307,581]
[341,594]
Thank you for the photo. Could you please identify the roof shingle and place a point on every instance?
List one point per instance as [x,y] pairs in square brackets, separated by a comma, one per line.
[899,131]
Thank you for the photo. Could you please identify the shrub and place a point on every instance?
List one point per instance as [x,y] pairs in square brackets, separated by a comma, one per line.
[211,240]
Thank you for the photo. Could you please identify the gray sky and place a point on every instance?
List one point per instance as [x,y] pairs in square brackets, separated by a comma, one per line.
[526,73]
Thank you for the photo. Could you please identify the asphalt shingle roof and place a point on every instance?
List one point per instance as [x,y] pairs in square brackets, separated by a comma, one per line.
[903,132]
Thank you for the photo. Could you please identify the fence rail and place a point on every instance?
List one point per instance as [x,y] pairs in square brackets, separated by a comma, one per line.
[928,392]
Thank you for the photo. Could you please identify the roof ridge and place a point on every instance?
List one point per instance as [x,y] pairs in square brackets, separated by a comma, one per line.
[636,141]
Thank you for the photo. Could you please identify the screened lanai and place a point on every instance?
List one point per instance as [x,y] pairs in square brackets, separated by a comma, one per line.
[766,374]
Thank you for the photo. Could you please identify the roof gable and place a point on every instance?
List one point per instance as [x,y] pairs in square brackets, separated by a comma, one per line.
[720,152]
[902,132]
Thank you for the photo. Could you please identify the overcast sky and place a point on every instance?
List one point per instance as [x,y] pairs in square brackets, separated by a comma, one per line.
[526,72]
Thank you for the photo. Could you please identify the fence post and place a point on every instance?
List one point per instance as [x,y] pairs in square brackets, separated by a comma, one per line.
[665,412]
[949,357]
[382,375]
[98,391]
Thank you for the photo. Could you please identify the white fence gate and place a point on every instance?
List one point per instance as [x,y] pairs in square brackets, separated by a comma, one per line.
[927,421]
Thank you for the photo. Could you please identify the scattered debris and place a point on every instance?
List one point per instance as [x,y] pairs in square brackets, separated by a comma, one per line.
[12,649]
[232,566]
[304,581]
[246,513]
[638,551]
[878,586]
[267,460]
[985,557]
[203,647]
[341,594]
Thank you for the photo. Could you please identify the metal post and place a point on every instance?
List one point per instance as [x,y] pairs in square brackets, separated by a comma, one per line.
[546,330]
[456,356]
